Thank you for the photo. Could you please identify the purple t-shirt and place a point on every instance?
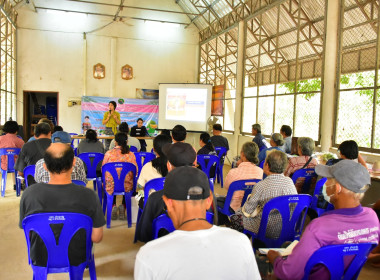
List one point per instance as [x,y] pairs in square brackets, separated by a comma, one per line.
[341,226]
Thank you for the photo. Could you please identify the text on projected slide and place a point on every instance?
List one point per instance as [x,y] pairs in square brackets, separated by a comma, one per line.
[186,104]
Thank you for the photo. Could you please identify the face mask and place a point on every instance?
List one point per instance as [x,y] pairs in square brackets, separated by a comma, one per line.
[325,196]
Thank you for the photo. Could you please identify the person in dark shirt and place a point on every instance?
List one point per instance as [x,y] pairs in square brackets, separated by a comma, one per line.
[61,195]
[207,148]
[140,130]
[258,139]
[217,139]
[33,151]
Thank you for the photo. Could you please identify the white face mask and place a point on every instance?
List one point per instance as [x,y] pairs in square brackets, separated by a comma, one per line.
[325,195]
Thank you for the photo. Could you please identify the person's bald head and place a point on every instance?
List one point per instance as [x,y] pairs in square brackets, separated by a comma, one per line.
[59,157]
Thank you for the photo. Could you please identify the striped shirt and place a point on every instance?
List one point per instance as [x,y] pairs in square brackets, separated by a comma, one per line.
[273,186]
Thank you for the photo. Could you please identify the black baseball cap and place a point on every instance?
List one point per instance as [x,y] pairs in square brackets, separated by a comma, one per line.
[179,154]
[180,180]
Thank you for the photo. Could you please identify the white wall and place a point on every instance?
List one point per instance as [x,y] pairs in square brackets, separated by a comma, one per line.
[51,57]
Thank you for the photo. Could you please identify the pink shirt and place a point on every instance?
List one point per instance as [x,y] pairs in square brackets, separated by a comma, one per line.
[9,141]
[245,170]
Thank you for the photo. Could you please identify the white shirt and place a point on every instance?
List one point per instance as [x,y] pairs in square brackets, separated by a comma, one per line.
[215,253]
[148,172]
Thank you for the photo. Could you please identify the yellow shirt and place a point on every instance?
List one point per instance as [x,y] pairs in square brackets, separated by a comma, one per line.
[112,122]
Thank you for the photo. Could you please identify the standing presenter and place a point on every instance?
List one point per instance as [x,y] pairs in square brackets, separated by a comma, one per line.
[111,120]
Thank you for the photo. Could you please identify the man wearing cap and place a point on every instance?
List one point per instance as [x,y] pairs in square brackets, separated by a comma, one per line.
[348,223]
[32,151]
[191,251]
[79,173]
[178,154]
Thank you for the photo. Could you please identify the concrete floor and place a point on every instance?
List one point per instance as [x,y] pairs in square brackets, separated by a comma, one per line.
[114,256]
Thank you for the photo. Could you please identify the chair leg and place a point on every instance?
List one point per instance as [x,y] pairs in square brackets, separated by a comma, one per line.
[109,209]
[128,203]
[94,183]
[91,269]
[4,174]
[139,213]
[18,184]
[100,189]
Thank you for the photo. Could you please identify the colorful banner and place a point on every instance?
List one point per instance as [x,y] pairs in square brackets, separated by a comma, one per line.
[94,107]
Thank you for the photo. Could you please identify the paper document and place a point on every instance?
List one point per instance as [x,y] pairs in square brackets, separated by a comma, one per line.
[283,251]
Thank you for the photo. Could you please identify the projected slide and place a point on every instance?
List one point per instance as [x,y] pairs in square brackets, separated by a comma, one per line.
[186,104]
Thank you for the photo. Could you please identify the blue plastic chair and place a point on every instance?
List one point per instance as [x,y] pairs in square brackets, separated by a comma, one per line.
[143,158]
[332,257]
[91,160]
[291,225]
[308,176]
[72,141]
[58,259]
[133,149]
[206,162]
[10,153]
[79,183]
[164,222]
[29,171]
[126,167]
[239,185]
[75,151]
[314,201]
[222,152]
[156,184]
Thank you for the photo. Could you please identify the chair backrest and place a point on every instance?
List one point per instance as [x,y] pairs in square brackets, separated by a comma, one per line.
[292,224]
[58,259]
[162,222]
[332,257]
[29,171]
[314,201]
[10,153]
[308,176]
[126,167]
[133,149]
[222,152]
[156,184]
[143,158]
[206,162]
[239,185]
[261,164]
[91,160]
[79,183]
[72,141]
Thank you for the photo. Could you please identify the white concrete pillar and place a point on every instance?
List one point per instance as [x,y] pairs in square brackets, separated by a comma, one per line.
[84,64]
[239,87]
[113,70]
[331,50]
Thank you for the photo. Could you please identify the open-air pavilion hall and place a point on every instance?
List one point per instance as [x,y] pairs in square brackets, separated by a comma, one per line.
[247,71]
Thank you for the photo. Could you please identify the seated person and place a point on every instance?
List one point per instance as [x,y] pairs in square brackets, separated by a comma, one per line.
[304,160]
[348,150]
[179,133]
[178,154]
[259,139]
[246,169]
[374,256]
[156,168]
[10,140]
[33,151]
[286,132]
[276,143]
[217,139]
[347,181]
[44,120]
[79,173]
[191,251]
[207,148]
[61,195]
[132,141]
[274,185]
[140,130]
[57,128]
[120,153]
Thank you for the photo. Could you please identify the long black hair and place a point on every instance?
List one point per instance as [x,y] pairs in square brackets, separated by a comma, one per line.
[160,163]
[121,139]
[205,137]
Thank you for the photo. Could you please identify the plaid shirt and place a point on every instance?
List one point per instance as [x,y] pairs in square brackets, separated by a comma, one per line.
[42,175]
[273,186]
